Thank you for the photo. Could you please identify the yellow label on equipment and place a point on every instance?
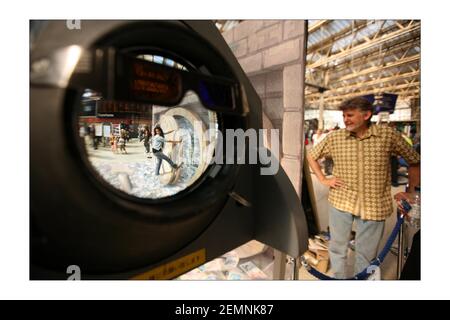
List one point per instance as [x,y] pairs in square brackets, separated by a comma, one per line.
[174,268]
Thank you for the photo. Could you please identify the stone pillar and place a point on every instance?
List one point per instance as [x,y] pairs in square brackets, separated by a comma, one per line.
[272,54]
[293,140]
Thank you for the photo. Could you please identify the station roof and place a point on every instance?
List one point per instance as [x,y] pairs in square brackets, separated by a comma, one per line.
[357,57]
[349,58]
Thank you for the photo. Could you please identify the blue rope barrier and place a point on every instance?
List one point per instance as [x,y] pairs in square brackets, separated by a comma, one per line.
[374,263]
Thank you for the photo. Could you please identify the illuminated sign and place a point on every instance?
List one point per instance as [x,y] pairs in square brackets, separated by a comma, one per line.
[141,70]
[144,81]
[140,80]
[149,86]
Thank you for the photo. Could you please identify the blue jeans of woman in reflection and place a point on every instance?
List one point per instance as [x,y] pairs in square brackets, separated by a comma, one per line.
[159,158]
[368,237]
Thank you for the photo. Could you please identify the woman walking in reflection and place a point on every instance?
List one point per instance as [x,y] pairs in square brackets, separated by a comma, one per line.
[146,136]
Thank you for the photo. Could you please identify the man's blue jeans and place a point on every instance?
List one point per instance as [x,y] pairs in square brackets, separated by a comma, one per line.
[368,237]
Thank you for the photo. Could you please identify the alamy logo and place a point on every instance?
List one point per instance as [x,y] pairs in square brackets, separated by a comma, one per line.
[74,271]
[234,150]
[73,24]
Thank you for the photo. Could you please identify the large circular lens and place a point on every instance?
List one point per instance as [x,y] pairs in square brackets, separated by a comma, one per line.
[144,150]
[96,200]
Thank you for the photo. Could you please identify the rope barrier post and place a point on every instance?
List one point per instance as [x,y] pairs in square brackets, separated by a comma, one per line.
[297,265]
[400,256]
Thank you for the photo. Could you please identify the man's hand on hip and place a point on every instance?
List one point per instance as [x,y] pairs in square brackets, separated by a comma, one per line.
[332,182]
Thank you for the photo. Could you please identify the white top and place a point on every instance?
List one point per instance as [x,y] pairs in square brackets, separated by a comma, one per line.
[158,142]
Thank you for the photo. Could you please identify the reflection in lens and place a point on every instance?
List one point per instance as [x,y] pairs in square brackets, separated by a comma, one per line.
[120,143]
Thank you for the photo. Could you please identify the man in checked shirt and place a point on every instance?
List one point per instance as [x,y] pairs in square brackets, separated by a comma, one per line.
[360,188]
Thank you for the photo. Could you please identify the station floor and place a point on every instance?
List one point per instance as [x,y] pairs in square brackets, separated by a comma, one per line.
[135,153]
[134,173]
